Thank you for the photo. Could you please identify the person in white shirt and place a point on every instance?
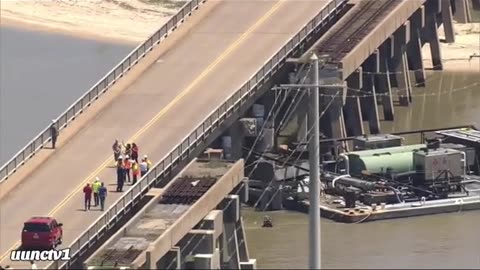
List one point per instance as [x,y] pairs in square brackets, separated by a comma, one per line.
[33,265]
[143,167]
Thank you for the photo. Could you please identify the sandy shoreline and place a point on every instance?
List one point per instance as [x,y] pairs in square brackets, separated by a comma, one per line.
[133,21]
[464,54]
[124,21]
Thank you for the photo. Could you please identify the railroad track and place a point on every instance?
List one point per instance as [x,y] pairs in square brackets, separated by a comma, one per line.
[356,28]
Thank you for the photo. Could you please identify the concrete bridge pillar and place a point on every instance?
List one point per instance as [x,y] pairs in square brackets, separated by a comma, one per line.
[447,19]
[476,4]
[232,143]
[430,34]
[462,10]
[171,260]
[399,64]
[382,81]
[302,121]
[414,47]
[352,111]
[369,102]
[332,100]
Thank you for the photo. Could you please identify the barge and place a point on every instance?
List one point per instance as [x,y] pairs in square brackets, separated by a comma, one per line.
[385,179]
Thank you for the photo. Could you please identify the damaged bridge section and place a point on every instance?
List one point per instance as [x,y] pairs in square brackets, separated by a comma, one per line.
[178,229]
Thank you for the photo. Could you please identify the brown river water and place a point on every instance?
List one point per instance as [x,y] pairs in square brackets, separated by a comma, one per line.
[449,241]
[440,241]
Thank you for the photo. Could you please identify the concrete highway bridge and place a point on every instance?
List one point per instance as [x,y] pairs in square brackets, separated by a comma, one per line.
[190,82]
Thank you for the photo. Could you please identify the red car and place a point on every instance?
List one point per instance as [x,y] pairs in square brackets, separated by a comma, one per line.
[41,233]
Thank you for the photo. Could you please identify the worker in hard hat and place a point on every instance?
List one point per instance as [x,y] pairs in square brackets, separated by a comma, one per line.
[96,188]
[127,163]
[135,171]
[149,163]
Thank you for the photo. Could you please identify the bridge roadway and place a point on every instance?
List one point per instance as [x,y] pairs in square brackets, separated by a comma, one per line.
[213,54]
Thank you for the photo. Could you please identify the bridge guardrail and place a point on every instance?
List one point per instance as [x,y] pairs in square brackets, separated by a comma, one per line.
[111,216]
[98,89]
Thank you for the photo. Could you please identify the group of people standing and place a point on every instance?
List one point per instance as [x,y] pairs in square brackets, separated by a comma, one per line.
[128,167]
[99,194]
[128,170]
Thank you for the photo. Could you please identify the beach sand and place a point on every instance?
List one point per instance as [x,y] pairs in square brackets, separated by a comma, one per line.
[464,54]
[126,21]
[133,21]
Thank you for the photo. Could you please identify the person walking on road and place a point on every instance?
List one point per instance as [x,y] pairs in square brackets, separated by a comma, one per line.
[135,171]
[53,134]
[96,187]
[127,163]
[87,190]
[33,265]
[135,152]
[102,194]
[117,149]
[120,175]
[143,168]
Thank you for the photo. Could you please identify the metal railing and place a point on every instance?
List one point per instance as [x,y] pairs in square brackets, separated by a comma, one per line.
[98,89]
[200,134]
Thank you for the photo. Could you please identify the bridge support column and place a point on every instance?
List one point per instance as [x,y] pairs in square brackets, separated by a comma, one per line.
[302,121]
[447,19]
[462,11]
[476,4]
[369,104]
[434,42]
[352,111]
[414,47]
[230,257]
[399,64]
[171,260]
[236,142]
[333,121]
[382,82]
